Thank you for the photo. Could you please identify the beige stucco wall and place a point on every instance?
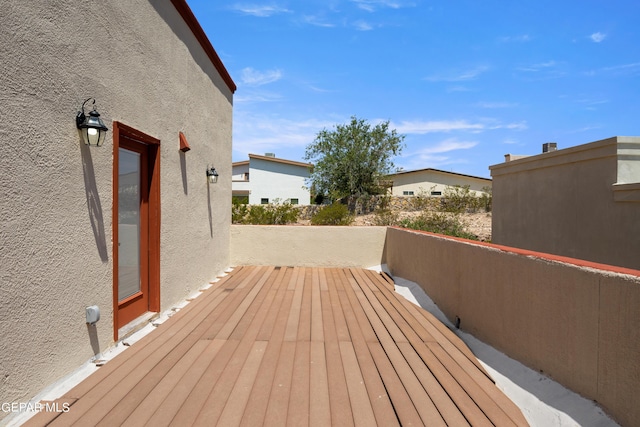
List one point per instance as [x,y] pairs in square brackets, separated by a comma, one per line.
[572,320]
[582,202]
[321,246]
[144,67]
[426,181]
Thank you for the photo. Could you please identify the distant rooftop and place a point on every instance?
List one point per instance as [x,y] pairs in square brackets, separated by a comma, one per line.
[403,172]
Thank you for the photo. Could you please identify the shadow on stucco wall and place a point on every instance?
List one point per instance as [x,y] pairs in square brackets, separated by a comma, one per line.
[93,339]
[93,201]
[209,208]
[183,171]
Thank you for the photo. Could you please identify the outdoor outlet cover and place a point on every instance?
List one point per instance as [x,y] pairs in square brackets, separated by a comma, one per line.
[93,314]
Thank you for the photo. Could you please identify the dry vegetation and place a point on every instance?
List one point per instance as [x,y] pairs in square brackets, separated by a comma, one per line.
[478,223]
[459,213]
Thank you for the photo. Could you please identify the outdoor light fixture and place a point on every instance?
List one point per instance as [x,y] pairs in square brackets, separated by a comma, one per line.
[93,130]
[212,175]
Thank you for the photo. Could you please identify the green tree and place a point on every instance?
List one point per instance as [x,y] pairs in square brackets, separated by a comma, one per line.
[353,159]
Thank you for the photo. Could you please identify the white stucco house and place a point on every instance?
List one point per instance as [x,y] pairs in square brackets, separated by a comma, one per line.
[268,179]
[433,182]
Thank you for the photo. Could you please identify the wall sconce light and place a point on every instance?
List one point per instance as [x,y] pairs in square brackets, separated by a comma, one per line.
[212,175]
[93,130]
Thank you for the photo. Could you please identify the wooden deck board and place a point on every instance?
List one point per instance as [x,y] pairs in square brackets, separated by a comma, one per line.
[292,346]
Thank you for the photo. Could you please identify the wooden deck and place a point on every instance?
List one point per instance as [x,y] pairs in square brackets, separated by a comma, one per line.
[292,346]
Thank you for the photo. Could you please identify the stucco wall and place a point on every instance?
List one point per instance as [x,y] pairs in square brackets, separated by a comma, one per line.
[579,202]
[321,246]
[146,69]
[576,321]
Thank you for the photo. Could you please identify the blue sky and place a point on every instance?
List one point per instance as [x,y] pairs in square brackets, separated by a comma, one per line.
[466,81]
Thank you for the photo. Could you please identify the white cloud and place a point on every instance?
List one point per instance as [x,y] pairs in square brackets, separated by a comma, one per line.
[422,127]
[259,10]
[618,70]
[252,77]
[512,126]
[317,21]
[373,5]
[437,154]
[543,70]
[256,133]
[513,39]
[362,26]
[539,66]
[598,37]
[447,145]
[458,76]
[246,97]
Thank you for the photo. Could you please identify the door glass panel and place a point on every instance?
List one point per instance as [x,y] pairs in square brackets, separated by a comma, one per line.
[128,223]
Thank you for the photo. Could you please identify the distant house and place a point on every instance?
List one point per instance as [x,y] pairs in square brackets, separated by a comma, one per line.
[582,202]
[268,179]
[432,182]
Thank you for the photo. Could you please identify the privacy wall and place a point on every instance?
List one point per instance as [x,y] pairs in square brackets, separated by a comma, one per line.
[578,322]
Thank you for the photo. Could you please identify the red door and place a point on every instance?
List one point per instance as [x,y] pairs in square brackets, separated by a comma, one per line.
[136,225]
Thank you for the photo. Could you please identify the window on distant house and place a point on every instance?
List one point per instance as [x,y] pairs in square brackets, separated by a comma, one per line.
[245,176]
[293,201]
[407,193]
[264,201]
[436,193]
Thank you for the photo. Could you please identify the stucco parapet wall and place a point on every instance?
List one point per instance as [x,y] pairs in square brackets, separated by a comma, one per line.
[579,263]
[595,150]
[310,246]
[577,321]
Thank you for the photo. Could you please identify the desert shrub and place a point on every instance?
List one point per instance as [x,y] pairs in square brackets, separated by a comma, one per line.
[459,199]
[334,214]
[386,217]
[384,214]
[239,211]
[441,223]
[486,199]
[424,200]
[271,214]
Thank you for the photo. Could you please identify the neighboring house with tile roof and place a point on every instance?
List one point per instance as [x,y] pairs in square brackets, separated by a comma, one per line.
[432,182]
[269,179]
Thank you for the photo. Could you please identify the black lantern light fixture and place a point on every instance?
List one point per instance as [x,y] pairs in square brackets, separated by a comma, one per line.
[93,130]
[212,175]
